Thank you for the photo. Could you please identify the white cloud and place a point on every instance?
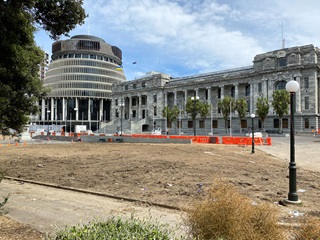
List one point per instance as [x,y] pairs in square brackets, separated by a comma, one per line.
[192,36]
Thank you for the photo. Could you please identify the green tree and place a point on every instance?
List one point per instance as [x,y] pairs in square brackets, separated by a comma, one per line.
[262,110]
[20,57]
[226,105]
[280,104]
[204,111]
[193,108]
[171,114]
[241,107]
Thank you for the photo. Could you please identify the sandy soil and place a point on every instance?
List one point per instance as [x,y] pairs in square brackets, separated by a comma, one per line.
[166,174]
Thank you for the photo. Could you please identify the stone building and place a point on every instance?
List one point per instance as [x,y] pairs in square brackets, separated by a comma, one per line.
[80,77]
[143,99]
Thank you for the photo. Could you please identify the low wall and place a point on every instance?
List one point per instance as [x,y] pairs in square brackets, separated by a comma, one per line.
[118,139]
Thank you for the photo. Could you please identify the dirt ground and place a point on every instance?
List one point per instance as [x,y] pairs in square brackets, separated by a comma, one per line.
[170,174]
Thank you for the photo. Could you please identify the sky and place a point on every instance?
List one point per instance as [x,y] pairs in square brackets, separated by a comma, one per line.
[189,37]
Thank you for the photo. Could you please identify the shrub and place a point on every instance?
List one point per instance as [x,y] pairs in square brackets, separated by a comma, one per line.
[309,230]
[116,228]
[225,214]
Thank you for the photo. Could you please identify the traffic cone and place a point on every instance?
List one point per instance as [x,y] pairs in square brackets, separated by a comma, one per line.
[16,144]
[9,144]
[25,143]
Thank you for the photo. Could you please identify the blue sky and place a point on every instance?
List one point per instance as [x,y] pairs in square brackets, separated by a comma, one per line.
[187,37]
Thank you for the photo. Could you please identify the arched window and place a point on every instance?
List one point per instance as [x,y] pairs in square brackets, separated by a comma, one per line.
[281,85]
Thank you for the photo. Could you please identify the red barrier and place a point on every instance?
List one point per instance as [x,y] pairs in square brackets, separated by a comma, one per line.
[228,140]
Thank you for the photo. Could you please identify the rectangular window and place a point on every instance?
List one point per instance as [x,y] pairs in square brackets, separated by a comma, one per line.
[285,123]
[143,84]
[306,103]
[306,123]
[143,100]
[232,93]
[179,124]
[276,123]
[214,123]
[282,62]
[134,101]
[247,90]
[190,124]
[155,98]
[244,123]
[219,92]
[126,87]
[134,86]
[155,111]
[306,82]
[201,124]
[259,87]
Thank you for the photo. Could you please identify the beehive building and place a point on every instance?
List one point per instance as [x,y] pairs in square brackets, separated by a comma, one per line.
[80,78]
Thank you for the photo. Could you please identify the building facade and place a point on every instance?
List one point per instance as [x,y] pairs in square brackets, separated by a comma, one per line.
[145,98]
[80,78]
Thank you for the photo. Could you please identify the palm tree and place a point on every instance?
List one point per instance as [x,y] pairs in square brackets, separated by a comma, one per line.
[226,105]
[204,110]
[262,110]
[280,103]
[241,107]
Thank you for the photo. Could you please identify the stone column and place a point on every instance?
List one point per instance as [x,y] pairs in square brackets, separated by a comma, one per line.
[139,107]
[251,97]
[130,109]
[63,109]
[236,91]
[222,92]
[52,109]
[197,92]
[76,107]
[174,97]
[209,94]
[101,111]
[298,94]
[43,109]
[185,102]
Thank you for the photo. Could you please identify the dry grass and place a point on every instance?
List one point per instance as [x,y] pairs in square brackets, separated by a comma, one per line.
[309,230]
[228,215]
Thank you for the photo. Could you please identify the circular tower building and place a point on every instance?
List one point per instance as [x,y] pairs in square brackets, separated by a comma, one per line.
[80,77]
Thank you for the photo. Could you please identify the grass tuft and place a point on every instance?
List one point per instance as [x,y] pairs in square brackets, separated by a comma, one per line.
[228,215]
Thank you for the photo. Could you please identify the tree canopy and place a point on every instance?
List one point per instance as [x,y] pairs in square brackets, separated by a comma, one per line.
[20,57]
[262,109]
[171,114]
[280,104]
[226,105]
[241,107]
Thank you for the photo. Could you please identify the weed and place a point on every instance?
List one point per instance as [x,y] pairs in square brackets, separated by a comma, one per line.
[116,228]
[226,214]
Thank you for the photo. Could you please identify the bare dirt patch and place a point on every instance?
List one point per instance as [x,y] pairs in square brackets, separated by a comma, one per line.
[170,174]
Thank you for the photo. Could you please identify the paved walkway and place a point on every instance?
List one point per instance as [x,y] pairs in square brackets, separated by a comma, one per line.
[307,151]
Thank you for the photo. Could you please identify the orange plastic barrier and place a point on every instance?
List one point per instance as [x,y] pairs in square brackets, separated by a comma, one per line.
[228,140]
[268,141]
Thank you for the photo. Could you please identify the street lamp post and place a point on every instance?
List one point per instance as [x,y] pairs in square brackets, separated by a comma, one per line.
[252,117]
[292,87]
[48,112]
[194,100]
[121,111]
